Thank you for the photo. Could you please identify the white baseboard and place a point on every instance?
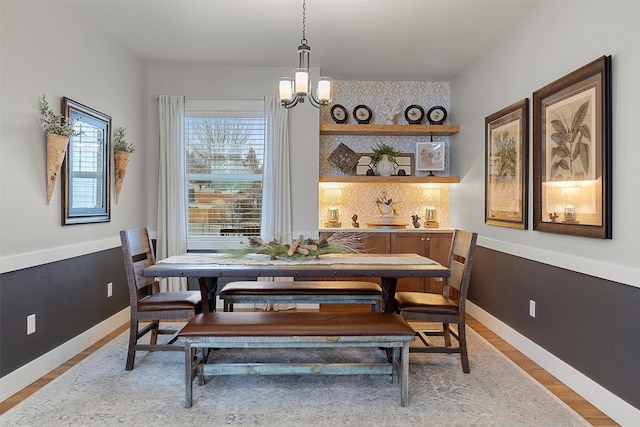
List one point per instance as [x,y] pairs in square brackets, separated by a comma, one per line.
[616,408]
[12,383]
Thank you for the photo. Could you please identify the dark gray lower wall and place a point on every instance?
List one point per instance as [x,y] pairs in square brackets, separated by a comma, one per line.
[68,298]
[590,323]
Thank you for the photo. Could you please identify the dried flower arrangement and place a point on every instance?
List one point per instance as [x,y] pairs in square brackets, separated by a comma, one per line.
[55,124]
[301,248]
[120,142]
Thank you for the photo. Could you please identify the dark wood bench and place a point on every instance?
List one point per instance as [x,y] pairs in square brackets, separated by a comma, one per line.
[297,292]
[297,330]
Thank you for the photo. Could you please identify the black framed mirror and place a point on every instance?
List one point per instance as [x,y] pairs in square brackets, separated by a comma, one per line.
[86,196]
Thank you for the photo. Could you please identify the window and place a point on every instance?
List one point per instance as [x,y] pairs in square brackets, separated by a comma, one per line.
[225,144]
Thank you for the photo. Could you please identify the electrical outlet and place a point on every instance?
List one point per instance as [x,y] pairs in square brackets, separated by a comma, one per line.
[532,308]
[31,324]
[109,289]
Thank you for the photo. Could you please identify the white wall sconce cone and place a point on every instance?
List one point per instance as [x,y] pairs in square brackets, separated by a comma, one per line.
[121,161]
[56,150]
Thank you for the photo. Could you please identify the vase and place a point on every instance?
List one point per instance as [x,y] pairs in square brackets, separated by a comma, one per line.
[384,166]
[56,150]
[385,209]
[121,161]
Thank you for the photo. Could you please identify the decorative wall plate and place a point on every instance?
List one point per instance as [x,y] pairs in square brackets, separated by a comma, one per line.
[436,115]
[339,114]
[362,114]
[414,114]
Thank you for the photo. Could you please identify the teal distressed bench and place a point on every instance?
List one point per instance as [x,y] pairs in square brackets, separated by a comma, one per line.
[302,291]
[297,330]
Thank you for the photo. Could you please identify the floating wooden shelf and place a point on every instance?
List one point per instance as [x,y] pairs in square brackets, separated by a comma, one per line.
[388,130]
[392,179]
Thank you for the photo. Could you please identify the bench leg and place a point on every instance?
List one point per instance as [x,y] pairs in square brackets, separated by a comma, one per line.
[404,377]
[375,307]
[188,374]
[395,362]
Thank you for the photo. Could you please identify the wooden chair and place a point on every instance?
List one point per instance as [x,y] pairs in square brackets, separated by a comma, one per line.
[445,308]
[147,303]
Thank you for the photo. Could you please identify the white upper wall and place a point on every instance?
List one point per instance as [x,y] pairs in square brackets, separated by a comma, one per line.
[243,83]
[554,39]
[49,49]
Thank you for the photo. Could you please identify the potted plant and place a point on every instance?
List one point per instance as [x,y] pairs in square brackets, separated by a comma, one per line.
[121,152]
[57,129]
[384,157]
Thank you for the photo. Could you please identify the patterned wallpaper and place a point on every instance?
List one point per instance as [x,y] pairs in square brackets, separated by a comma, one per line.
[360,199]
[381,96]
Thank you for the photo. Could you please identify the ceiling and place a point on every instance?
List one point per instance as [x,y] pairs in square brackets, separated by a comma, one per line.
[349,39]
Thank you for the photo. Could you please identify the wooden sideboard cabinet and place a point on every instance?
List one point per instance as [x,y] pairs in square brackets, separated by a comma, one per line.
[434,245]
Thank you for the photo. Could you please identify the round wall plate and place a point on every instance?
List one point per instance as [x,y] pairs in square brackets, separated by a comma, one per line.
[437,115]
[414,114]
[339,114]
[362,114]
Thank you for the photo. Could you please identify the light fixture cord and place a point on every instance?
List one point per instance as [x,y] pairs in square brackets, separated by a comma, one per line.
[303,41]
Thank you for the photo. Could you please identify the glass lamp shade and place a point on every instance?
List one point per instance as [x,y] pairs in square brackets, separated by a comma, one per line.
[301,80]
[333,214]
[324,90]
[431,214]
[286,89]
[570,213]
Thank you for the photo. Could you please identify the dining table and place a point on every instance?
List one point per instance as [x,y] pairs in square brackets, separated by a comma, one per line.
[208,268]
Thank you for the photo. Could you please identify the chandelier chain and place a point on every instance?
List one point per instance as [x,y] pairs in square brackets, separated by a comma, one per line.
[303,41]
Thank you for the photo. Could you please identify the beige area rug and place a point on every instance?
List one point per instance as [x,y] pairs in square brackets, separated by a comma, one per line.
[99,392]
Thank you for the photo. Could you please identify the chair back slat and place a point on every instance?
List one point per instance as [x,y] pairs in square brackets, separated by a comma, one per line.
[460,262]
[137,252]
[457,274]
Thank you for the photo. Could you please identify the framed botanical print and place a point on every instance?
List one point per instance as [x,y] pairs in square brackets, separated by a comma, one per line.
[506,166]
[572,153]
[430,156]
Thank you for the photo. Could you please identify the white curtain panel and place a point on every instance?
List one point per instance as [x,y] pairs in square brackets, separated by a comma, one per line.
[276,186]
[172,232]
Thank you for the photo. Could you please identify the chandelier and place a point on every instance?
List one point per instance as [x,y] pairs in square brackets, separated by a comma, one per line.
[294,90]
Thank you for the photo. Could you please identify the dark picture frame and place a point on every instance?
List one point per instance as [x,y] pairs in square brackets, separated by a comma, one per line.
[86,172]
[572,153]
[507,166]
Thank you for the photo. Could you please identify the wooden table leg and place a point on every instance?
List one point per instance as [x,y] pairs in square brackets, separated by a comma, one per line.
[388,285]
[208,289]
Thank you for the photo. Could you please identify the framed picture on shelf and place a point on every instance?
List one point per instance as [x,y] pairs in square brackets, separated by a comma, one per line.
[506,170]
[403,165]
[430,156]
[572,153]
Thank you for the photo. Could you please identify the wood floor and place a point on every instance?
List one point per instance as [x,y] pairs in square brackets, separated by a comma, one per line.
[591,414]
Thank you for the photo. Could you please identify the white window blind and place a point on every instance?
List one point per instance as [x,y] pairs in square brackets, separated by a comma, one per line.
[225,146]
